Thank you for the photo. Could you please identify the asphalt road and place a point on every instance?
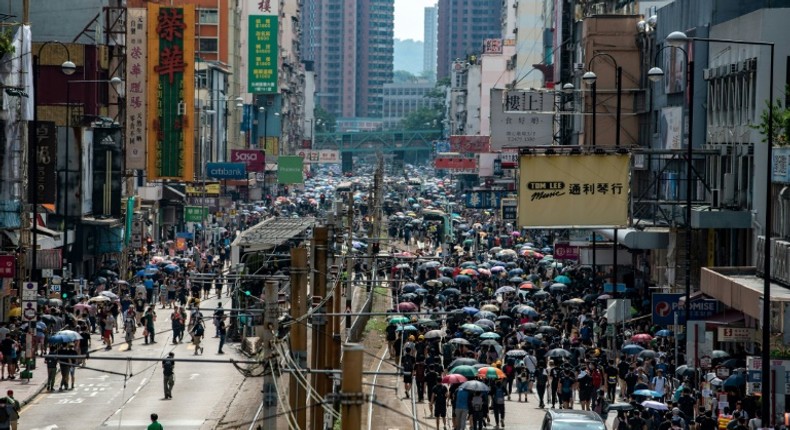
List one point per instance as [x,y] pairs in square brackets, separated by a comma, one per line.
[201,394]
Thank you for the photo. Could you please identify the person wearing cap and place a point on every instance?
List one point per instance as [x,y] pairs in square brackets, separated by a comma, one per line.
[168,365]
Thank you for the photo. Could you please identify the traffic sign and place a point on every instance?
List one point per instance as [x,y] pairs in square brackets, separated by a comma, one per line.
[29,310]
[30,291]
[47,273]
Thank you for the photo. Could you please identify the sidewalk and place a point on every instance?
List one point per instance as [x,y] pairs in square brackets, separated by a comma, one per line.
[26,390]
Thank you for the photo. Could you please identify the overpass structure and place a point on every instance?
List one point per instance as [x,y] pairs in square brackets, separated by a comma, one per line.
[394,141]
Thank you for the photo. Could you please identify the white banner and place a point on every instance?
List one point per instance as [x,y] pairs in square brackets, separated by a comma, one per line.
[137,54]
[319,156]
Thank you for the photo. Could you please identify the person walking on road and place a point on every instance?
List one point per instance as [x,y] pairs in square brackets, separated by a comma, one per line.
[15,406]
[223,331]
[197,332]
[219,315]
[129,327]
[52,370]
[155,423]
[148,323]
[169,376]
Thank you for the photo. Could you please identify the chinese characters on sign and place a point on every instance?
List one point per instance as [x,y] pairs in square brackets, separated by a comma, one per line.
[262,62]
[319,156]
[137,49]
[492,46]
[466,144]
[7,266]
[46,142]
[171,92]
[529,101]
[781,165]
[455,163]
[531,125]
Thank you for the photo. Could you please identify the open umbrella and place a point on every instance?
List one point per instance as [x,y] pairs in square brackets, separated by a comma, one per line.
[489,308]
[516,280]
[632,349]
[527,311]
[110,295]
[647,353]
[557,287]
[485,314]
[453,379]
[516,353]
[504,290]
[718,354]
[427,322]
[529,326]
[647,393]
[99,299]
[451,291]
[652,404]
[491,372]
[641,337]
[463,361]
[621,407]
[489,335]
[407,306]
[547,329]
[398,319]
[664,333]
[541,294]
[470,310]
[576,301]
[489,342]
[410,287]
[485,323]
[526,286]
[468,371]
[472,328]
[475,386]
[604,297]
[533,340]
[82,307]
[434,334]
[684,370]
[460,341]
[406,328]
[562,279]
[734,381]
[558,353]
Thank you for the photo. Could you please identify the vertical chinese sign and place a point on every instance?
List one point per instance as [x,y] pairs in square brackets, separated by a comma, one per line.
[171,92]
[137,49]
[262,40]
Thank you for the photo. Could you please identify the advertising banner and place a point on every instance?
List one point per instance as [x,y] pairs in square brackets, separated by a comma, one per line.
[226,170]
[671,127]
[665,305]
[136,97]
[509,209]
[467,144]
[289,170]
[7,266]
[319,156]
[484,199]
[46,141]
[570,191]
[107,173]
[262,43]
[253,158]
[492,46]
[529,101]
[455,163]
[171,92]
[781,164]
[486,165]
[565,251]
[515,129]
[197,189]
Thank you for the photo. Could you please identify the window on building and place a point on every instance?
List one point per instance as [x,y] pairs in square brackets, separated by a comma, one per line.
[208,44]
[208,16]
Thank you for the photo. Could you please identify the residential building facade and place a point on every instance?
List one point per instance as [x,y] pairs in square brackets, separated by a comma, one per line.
[463,26]
[430,39]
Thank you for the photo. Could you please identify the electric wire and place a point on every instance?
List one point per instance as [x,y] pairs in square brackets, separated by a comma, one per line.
[285,405]
[303,382]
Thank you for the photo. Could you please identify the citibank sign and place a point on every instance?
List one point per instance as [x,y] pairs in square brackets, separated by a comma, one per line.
[226,170]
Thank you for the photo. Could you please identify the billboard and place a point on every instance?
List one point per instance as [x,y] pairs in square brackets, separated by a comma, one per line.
[198,189]
[529,101]
[515,129]
[665,305]
[226,170]
[671,127]
[467,144]
[492,46]
[571,191]
[455,163]
[781,164]
[263,28]
[195,213]
[319,156]
[46,143]
[171,92]
[253,158]
[484,199]
[136,57]
[107,171]
[289,170]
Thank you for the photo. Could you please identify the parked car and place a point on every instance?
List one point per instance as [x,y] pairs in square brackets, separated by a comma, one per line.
[572,419]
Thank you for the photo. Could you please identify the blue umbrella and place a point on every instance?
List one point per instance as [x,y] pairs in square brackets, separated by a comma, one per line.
[505,289]
[410,288]
[516,272]
[664,333]
[632,349]
[451,291]
[533,340]
[647,393]
[406,328]
[733,381]
[485,315]
[421,291]
[172,268]
[489,335]
[562,279]
[463,279]
[470,310]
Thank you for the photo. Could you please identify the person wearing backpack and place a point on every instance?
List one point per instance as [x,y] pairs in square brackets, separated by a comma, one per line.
[197,332]
[659,383]
[499,404]
[7,413]
[565,390]
[510,373]
[478,408]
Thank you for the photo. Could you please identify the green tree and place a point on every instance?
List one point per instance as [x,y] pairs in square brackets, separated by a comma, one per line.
[325,122]
[402,76]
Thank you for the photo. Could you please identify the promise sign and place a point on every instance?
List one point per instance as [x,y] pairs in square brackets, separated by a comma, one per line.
[573,191]
[171,92]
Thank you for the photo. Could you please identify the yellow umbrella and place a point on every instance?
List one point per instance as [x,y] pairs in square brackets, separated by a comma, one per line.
[15,312]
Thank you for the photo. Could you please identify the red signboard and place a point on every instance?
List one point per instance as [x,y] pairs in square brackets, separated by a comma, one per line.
[455,163]
[469,144]
[564,251]
[7,266]
[253,158]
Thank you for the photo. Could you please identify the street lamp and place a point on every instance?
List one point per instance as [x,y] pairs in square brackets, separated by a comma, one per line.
[677,39]
[204,161]
[591,78]
[67,68]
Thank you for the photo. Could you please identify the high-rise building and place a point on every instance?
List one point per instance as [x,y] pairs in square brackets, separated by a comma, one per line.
[463,26]
[351,45]
[430,33]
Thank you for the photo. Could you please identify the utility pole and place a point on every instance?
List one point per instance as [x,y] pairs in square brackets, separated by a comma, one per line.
[332,334]
[349,258]
[297,395]
[351,397]
[270,398]
[319,343]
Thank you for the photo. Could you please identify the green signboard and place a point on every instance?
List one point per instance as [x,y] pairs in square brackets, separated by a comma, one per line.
[262,61]
[195,213]
[289,170]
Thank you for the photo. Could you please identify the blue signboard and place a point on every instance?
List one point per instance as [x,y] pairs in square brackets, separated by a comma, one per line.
[226,170]
[441,146]
[607,287]
[484,199]
[665,305]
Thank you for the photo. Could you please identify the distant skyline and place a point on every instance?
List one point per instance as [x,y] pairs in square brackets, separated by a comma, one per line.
[409,18]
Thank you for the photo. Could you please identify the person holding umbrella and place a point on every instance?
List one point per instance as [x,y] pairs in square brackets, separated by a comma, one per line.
[478,405]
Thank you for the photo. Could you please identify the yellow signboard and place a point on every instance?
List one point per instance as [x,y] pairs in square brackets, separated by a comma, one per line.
[271,145]
[212,189]
[571,191]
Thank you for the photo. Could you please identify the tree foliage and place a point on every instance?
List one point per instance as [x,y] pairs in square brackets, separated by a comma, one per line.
[431,117]
[325,122]
[781,122]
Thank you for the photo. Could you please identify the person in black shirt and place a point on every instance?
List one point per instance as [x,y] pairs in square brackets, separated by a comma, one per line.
[169,377]
[666,423]
[407,363]
[622,370]
[438,395]
[554,375]
[705,421]
[611,373]
[687,404]
[391,336]
[631,379]
[636,422]
[431,379]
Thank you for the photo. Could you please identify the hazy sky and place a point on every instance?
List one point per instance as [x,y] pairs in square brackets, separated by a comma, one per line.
[409,16]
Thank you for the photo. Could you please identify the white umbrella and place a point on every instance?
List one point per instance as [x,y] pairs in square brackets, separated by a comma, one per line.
[98,299]
[652,404]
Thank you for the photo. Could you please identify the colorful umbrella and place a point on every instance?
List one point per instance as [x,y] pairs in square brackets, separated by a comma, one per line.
[407,306]
[491,373]
[647,393]
[526,286]
[453,379]
[468,272]
[641,337]
[489,335]
[562,279]
[464,370]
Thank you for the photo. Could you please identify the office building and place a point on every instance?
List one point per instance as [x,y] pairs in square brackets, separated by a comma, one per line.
[463,26]
[430,34]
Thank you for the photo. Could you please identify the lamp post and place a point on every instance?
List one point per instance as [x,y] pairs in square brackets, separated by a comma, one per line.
[204,160]
[592,78]
[67,68]
[678,39]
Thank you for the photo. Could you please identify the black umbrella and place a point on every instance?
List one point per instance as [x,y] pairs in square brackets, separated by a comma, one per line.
[462,362]
[559,353]
[518,353]
[547,329]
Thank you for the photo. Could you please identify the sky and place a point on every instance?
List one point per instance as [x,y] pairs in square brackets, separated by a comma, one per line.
[409,17]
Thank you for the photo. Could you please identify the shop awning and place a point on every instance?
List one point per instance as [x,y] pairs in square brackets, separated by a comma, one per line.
[649,238]
[740,288]
[725,318]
